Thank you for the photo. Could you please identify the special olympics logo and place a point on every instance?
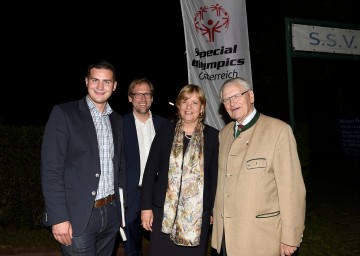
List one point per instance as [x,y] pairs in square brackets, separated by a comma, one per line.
[211,20]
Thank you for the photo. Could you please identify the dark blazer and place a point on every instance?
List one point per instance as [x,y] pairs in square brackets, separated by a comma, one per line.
[155,179]
[70,164]
[132,154]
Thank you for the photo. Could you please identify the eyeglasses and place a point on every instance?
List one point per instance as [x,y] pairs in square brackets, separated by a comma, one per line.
[235,97]
[140,95]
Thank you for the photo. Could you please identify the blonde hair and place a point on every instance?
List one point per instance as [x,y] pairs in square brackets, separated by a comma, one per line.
[184,95]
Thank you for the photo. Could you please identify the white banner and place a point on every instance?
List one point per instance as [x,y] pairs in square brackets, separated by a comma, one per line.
[217,48]
[325,39]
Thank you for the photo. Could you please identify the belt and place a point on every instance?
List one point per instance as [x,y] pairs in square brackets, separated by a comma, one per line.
[103,201]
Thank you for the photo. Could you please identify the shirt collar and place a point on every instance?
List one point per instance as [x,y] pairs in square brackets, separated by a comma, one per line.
[150,116]
[108,110]
[248,118]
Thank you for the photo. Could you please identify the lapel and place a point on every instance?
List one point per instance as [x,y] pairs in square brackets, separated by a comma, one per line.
[88,124]
[157,122]
[116,132]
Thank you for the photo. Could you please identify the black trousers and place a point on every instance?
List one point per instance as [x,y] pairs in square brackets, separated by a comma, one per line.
[223,247]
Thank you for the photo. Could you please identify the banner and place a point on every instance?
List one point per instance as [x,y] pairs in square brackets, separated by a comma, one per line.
[217,48]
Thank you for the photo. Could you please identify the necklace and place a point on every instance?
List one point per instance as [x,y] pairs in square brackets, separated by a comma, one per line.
[187,136]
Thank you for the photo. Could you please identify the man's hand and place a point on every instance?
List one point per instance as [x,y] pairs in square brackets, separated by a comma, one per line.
[147,218]
[286,250]
[63,232]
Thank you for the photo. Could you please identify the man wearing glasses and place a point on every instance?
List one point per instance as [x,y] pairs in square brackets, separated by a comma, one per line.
[260,199]
[140,127]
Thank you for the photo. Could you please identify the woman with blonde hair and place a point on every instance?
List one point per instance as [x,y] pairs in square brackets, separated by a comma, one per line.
[180,177]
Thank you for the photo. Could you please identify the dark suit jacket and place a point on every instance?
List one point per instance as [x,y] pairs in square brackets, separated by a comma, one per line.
[155,179]
[70,164]
[132,154]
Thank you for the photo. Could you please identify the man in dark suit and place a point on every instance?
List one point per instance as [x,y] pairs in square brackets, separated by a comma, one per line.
[82,168]
[140,127]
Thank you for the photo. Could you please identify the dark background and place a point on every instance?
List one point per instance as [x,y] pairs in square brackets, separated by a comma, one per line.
[47,47]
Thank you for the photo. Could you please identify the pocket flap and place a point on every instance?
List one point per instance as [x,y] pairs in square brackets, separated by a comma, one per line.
[256,163]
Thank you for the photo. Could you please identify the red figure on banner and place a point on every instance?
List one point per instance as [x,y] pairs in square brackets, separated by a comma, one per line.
[209,23]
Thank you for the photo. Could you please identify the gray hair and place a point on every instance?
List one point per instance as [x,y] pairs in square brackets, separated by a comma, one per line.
[236,80]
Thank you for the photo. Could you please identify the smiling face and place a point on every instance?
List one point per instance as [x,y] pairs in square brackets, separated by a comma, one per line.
[141,98]
[190,107]
[100,85]
[238,101]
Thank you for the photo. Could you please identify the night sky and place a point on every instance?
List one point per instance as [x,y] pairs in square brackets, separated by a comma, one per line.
[46,50]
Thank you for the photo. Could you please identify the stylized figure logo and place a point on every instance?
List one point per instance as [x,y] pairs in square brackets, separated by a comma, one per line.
[211,20]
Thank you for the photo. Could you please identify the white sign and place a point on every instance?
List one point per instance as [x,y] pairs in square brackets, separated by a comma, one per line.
[325,39]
